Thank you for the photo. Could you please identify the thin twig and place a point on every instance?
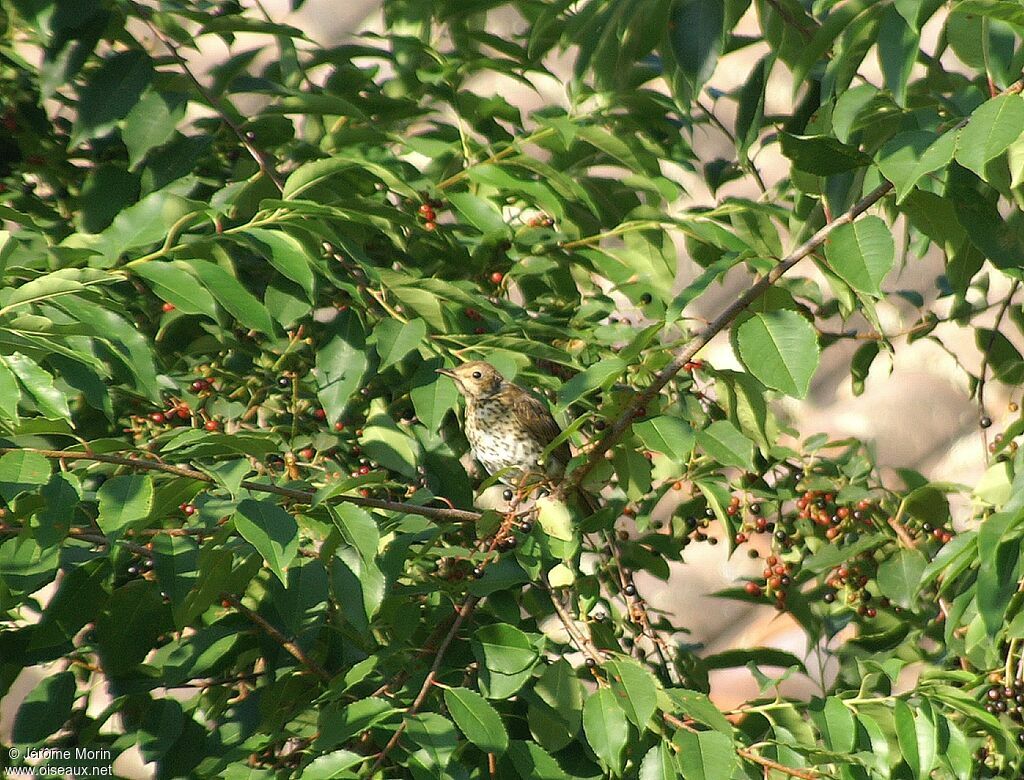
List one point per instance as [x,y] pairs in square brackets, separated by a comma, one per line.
[303,496]
[713,328]
[985,361]
[261,158]
[464,612]
[286,644]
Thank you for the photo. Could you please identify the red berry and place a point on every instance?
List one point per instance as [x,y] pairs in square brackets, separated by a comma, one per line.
[430,227]
[364,492]
[339,426]
[189,509]
[167,307]
[497,277]
[319,414]
[158,418]
[212,425]
[199,385]
[183,413]
[225,603]
[307,454]
[752,589]
[363,470]
[741,538]
[426,208]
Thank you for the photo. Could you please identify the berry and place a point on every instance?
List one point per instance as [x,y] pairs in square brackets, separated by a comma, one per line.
[158,417]
[363,470]
[985,422]
[183,412]
[430,227]
[630,590]
[339,426]
[497,277]
[284,382]
[755,509]
[646,298]
[199,385]
[507,494]
[167,307]
[829,597]
[426,208]
[308,454]
[590,663]
[188,509]
[211,425]
[478,572]
[320,414]
[752,589]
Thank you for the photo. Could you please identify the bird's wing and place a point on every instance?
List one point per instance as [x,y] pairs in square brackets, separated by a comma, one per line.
[534,416]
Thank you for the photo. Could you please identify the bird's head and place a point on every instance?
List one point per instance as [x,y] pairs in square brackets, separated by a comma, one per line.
[475,379]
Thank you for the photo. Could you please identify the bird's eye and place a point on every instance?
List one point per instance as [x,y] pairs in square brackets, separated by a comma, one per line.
[477,375]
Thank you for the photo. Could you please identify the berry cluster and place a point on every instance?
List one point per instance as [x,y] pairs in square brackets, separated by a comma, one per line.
[777,578]
[838,520]
[429,214]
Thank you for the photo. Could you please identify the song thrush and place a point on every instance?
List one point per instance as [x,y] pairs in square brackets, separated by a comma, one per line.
[508,428]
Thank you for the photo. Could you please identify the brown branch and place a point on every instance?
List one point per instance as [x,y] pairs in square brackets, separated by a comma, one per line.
[464,612]
[985,361]
[288,645]
[303,496]
[583,643]
[262,159]
[712,329]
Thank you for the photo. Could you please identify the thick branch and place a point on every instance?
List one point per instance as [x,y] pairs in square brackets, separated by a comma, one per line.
[303,496]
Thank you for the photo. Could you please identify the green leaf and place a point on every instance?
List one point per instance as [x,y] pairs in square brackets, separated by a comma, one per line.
[696,35]
[822,155]
[340,364]
[394,340]
[906,734]
[698,706]
[177,286]
[861,253]
[658,764]
[606,728]
[993,126]
[477,719]
[236,300]
[504,649]
[781,349]
[908,157]
[357,529]
[286,253]
[900,575]
[478,212]
[39,384]
[112,91]
[836,724]
[554,517]
[21,471]
[667,435]
[724,442]
[152,122]
[271,530]
[46,708]
[124,500]
[705,755]
[635,689]
[598,375]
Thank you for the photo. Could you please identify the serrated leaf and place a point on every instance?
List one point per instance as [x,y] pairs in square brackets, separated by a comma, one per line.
[635,689]
[705,755]
[271,530]
[606,728]
[993,126]
[727,445]
[781,349]
[124,500]
[861,253]
[667,435]
[393,340]
[477,719]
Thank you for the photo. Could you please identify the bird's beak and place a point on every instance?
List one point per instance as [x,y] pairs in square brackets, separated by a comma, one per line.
[445,371]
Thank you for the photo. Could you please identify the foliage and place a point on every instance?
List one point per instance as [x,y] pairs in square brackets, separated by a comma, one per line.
[227,454]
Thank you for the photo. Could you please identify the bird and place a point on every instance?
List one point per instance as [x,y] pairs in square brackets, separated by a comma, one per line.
[507,427]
